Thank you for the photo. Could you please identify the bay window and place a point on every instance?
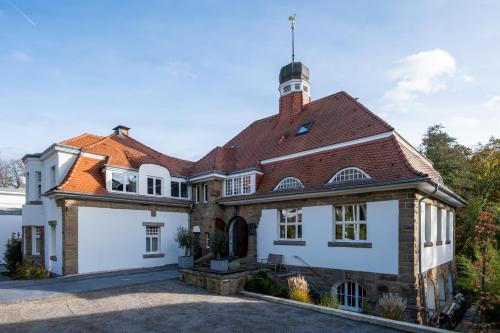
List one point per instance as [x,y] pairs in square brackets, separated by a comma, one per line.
[290,223]
[238,185]
[350,223]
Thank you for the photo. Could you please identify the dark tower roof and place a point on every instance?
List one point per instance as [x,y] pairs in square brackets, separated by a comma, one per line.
[294,70]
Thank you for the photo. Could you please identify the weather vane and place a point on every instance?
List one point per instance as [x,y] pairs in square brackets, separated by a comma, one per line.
[292,22]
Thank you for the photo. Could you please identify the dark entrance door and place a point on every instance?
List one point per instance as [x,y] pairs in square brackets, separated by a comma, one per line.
[240,237]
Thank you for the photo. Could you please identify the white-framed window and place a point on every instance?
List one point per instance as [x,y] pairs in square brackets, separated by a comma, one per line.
[290,223]
[36,244]
[152,239]
[439,225]
[428,223]
[38,178]
[351,295]
[205,193]
[154,186]
[53,240]
[449,225]
[288,183]
[178,189]
[124,182]
[351,222]
[238,185]
[52,176]
[349,174]
[197,193]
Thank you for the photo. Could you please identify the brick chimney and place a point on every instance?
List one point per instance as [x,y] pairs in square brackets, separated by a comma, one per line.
[294,90]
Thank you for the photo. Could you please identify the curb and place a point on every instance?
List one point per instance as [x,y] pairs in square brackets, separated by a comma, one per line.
[400,325]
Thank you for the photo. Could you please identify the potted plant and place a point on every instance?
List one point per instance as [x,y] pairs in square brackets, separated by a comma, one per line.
[185,240]
[218,244]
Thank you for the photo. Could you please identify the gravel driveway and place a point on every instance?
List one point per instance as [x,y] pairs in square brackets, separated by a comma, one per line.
[166,306]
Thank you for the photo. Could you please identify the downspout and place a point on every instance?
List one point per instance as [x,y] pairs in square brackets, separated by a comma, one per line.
[420,273]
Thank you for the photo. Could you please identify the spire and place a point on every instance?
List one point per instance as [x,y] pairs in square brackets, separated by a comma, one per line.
[291,19]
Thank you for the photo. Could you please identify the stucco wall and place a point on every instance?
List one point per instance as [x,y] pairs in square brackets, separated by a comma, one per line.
[110,239]
[383,217]
[8,224]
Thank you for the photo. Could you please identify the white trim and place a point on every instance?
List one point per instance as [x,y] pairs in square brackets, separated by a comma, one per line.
[220,175]
[365,176]
[276,188]
[94,156]
[292,84]
[410,147]
[330,147]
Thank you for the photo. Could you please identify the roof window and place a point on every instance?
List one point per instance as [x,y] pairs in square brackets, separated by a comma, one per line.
[304,128]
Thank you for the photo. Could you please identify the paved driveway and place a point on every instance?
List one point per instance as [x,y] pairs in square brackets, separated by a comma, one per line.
[13,291]
[166,306]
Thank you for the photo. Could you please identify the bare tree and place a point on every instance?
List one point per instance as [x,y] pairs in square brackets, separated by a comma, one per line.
[11,173]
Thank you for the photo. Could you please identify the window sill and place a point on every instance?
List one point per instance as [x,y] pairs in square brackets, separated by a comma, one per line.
[290,242]
[53,258]
[361,245]
[153,224]
[439,243]
[153,255]
[448,242]
[428,244]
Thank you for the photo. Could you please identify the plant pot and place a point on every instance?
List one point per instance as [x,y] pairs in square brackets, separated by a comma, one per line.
[219,265]
[186,262]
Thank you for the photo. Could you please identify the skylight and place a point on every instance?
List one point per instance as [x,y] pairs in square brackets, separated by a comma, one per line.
[304,128]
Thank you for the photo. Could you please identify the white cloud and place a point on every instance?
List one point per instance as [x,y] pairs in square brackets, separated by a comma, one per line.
[419,74]
[469,123]
[20,56]
[493,103]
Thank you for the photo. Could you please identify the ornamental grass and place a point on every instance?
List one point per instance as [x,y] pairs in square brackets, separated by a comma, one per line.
[392,306]
[298,289]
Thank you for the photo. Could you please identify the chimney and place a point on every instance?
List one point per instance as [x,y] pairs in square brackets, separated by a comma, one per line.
[121,130]
[294,90]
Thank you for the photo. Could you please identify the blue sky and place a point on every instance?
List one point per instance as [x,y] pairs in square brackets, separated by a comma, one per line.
[189,75]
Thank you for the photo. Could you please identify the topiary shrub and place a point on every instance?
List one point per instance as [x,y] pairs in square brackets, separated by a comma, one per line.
[13,253]
[28,270]
[298,289]
[263,284]
[392,306]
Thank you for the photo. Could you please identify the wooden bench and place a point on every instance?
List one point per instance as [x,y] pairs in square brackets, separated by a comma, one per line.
[273,261]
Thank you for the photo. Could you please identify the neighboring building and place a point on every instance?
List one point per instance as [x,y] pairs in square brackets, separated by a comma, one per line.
[11,202]
[325,183]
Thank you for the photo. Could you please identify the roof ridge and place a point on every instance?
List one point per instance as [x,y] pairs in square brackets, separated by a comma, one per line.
[367,110]
[98,142]
[79,136]
[69,175]
[405,160]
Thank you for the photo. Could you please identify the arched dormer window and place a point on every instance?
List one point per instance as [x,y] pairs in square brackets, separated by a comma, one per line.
[288,183]
[349,174]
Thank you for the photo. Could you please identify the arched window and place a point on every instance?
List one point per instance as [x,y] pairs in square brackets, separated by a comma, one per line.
[450,284]
[442,292]
[430,298]
[351,295]
[289,183]
[349,174]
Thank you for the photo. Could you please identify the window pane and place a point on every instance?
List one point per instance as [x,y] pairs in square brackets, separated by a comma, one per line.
[158,187]
[37,245]
[338,213]
[117,182]
[299,231]
[349,231]
[349,213]
[131,183]
[290,232]
[292,216]
[154,245]
[299,215]
[174,189]
[362,212]
[148,245]
[184,190]
[282,231]
[282,215]
[246,184]
[362,231]
[338,231]
[150,186]
[237,186]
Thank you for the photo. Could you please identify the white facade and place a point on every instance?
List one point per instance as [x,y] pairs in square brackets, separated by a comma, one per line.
[318,231]
[436,254]
[11,201]
[111,239]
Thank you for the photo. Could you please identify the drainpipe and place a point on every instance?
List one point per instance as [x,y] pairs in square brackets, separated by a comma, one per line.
[420,274]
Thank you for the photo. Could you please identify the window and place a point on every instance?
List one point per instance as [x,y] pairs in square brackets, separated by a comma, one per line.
[205,193]
[178,189]
[449,226]
[290,223]
[439,226]
[124,182]
[174,189]
[52,176]
[152,239]
[53,240]
[304,128]
[36,240]
[238,185]
[350,223]
[349,174]
[297,86]
[442,292]
[184,190]
[351,296]
[306,88]
[287,88]
[428,210]
[197,193]
[288,183]
[38,178]
[155,186]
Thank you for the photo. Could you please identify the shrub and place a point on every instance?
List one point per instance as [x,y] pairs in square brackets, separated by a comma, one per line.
[28,270]
[329,301]
[298,289]
[219,243]
[263,284]
[392,306]
[13,252]
[185,239]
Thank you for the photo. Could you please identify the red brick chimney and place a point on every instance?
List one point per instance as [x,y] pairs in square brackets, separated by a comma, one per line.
[294,91]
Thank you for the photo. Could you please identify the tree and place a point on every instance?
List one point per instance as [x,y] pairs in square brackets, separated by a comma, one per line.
[13,252]
[11,173]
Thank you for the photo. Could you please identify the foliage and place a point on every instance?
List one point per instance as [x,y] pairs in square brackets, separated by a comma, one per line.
[481,274]
[13,252]
[27,270]
[392,306]
[185,239]
[298,289]
[329,301]
[263,284]
[219,243]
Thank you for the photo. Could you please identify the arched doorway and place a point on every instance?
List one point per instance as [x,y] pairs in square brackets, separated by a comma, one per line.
[238,237]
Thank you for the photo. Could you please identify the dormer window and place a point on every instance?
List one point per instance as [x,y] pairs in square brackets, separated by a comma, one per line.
[287,88]
[155,186]
[349,174]
[304,128]
[297,86]
[289,183]
[124,182]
